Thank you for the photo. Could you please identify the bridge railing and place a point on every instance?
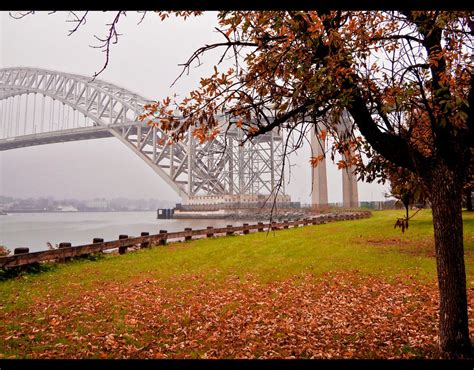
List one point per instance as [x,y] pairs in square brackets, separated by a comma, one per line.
[161,238]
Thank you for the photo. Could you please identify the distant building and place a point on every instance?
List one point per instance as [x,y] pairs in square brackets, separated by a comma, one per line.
[66,208]
[97,204]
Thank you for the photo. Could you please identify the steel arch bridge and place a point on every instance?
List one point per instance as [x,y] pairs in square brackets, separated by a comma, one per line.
[39,106]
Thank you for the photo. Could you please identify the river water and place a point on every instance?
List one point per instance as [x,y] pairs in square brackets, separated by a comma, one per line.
[34,230]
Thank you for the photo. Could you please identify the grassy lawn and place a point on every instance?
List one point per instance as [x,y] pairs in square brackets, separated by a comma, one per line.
[351,289]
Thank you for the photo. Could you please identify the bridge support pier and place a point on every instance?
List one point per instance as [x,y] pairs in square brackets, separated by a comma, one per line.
[319,193]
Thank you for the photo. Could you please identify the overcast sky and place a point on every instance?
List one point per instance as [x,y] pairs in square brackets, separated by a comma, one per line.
[144,61]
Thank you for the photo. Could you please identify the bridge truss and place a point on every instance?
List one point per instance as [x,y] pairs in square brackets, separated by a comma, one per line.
[40,107]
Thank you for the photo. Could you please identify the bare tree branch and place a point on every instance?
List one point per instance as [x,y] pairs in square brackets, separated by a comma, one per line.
[21,15]
[111,38]
[203,49]
[80,21]
[143,17]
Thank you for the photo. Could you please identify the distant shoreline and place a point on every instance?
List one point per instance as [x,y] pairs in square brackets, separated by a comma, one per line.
[85,211]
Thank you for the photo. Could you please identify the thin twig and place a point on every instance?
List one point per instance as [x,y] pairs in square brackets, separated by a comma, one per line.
[80,21]
[22,14]
[111,38]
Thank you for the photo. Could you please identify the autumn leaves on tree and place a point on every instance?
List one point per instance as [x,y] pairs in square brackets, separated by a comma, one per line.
[405,78]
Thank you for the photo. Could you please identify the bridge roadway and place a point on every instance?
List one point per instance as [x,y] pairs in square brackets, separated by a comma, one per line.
[62,136]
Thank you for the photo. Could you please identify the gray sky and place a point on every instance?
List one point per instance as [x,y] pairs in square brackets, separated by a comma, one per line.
[144,61]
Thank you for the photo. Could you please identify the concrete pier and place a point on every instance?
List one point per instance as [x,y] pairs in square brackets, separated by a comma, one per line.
[319,194]
[350,193]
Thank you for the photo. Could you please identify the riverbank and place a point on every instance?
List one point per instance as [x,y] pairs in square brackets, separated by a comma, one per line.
[352,289]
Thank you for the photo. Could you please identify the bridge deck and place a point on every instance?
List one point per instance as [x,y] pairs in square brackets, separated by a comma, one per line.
[81,133]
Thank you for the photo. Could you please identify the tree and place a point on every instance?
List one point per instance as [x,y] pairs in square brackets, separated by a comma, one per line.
[408,189]
[405,79]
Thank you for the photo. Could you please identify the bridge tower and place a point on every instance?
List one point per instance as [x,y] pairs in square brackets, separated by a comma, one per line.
[319,195]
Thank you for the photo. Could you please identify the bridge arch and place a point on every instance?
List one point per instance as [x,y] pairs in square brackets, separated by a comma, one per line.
[191,169]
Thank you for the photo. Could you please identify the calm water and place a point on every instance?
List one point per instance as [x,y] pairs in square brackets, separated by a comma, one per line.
[33,230]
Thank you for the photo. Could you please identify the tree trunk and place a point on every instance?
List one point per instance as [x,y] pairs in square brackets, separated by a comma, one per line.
[446,200]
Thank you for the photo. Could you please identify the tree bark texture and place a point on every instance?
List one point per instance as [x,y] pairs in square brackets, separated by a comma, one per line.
[446,200]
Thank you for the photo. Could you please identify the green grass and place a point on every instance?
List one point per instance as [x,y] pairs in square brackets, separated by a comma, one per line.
[369,246]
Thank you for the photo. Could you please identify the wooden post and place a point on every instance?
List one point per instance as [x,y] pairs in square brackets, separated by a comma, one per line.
[210,232]
[98,240]
[65,245]
[285,224]
[165,237]
[189,236]
[145,244]
[246,230]
[23,250]
[260,227]
[229,232]
[123,250]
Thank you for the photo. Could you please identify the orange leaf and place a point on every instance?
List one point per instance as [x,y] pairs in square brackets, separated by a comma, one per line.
[316,160]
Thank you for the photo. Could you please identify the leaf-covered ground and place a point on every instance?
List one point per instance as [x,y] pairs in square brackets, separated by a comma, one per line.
[119,308]
[333,316]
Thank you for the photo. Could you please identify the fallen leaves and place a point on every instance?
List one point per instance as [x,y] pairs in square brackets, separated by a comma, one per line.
[343,315]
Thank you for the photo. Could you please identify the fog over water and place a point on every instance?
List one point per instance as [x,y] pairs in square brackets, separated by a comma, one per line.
[145,61]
